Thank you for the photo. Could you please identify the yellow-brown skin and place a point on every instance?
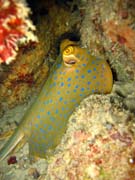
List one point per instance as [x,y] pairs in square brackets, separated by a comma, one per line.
[75,75]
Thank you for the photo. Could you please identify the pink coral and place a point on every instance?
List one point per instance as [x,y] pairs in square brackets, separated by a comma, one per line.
[15,29]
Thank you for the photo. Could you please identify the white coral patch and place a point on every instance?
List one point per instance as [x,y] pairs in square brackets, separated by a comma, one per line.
[11,58]
[5,4]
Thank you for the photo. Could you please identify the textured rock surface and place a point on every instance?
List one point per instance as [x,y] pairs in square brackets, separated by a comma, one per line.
[100,137]
[109,28]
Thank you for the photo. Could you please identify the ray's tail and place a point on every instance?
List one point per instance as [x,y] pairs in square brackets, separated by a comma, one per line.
[13,141]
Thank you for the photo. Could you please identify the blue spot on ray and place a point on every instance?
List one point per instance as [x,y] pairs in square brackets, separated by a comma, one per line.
[77,70]
[82,76]
[84,65]
[60,99]
[48,113]
[54,84]
[61,115]
[76,86]
[38,116]
[69,79]
[36,125]
[89,83]
[82,89]
[89,71]
[50,127]
[58,92]
[69,85]
[88,52]
[56,111]
[73,100]
[42,130]
[62,84]
[76,105]
[94,77]
[52,118]
[93,62]
[65,115]
[58,65]
[50,100]
[51,85]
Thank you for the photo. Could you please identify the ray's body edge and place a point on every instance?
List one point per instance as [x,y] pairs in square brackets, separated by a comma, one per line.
[46,121]
[24,129]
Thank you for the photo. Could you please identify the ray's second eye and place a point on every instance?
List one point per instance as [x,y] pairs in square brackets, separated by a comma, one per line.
[70,62]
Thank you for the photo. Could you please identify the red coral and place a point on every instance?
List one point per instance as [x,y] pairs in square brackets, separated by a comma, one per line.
[9,31]
[13,27]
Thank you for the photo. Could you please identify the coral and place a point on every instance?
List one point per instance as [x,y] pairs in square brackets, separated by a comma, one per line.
[121,33]
[15,29]
[98,139]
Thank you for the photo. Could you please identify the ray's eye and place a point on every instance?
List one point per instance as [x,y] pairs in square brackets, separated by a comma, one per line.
[69,50]
[69,56]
